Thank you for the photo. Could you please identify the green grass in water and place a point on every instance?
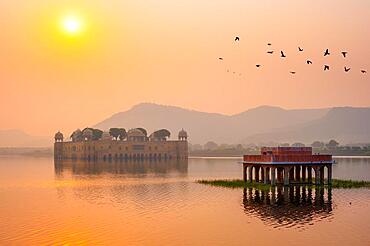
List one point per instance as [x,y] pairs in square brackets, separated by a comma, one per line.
[238,183]
[339,183]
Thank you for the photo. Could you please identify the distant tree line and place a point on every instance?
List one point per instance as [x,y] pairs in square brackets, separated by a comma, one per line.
[211,148]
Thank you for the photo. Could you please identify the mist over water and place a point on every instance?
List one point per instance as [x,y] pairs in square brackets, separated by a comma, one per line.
[158,203]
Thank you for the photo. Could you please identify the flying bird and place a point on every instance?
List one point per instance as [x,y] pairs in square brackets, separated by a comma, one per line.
[300,49]
[363,71]
[309,62]
[269,44]
[326,67]
[326,52]
[344,53]
[270,51]
[282,54]
[258,65]
[346,69]
[236,38]
[220,58]
[292,72]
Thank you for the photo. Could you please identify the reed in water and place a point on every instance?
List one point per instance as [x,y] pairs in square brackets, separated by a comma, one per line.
[237,183]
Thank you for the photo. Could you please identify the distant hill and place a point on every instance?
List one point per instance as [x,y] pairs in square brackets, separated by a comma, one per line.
[18,138]
[203,127]
[345,124]
[263,124]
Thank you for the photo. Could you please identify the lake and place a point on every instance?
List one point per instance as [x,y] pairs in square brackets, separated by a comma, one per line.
[158,203]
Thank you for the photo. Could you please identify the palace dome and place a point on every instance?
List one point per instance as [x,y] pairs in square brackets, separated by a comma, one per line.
[87,133]
[135,133]
[106,136]
[58,136]
[183,134]
[78,131]
[76,135]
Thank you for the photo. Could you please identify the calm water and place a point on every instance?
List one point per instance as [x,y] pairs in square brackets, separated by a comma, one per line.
[42,202]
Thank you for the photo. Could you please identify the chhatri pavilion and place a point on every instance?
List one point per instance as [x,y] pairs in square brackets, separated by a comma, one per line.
[287,165]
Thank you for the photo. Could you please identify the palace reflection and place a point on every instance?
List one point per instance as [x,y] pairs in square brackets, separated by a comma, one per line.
[75,167]
[284,206]
[146,184]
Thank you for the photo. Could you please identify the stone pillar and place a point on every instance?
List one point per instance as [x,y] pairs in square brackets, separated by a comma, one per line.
[317,175]
[250,173]
[322,175]
[280,175]
[304,174]
[330,173]
[245,168]
[286,175]
[273,181]
[309,174]
[291,174]
[262,174]
[256,173]
[266,175]
[298,174]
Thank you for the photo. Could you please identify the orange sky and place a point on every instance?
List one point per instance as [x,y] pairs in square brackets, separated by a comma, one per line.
[166,52]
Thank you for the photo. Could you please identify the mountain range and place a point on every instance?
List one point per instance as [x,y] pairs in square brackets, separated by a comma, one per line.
[264,124]
[18,138]
[261,125]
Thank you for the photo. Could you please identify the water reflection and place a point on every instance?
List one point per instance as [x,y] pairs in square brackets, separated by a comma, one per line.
[294,206]
[147,185]
[124,167]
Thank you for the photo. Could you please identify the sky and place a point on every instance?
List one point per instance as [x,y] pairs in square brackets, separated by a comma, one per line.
[166,52]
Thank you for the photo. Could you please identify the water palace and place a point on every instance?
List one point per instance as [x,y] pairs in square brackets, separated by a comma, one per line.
[117,145]
[287,165]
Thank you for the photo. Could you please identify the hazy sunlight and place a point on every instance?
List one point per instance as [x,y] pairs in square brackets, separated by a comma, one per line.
[72,25]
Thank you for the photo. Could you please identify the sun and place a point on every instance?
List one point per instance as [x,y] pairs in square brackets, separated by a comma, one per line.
[71,25]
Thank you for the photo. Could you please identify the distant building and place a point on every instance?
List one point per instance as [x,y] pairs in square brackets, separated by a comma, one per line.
[287,165]
[91,145]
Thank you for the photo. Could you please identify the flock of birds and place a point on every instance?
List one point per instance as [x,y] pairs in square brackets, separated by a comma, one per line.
[308,62]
